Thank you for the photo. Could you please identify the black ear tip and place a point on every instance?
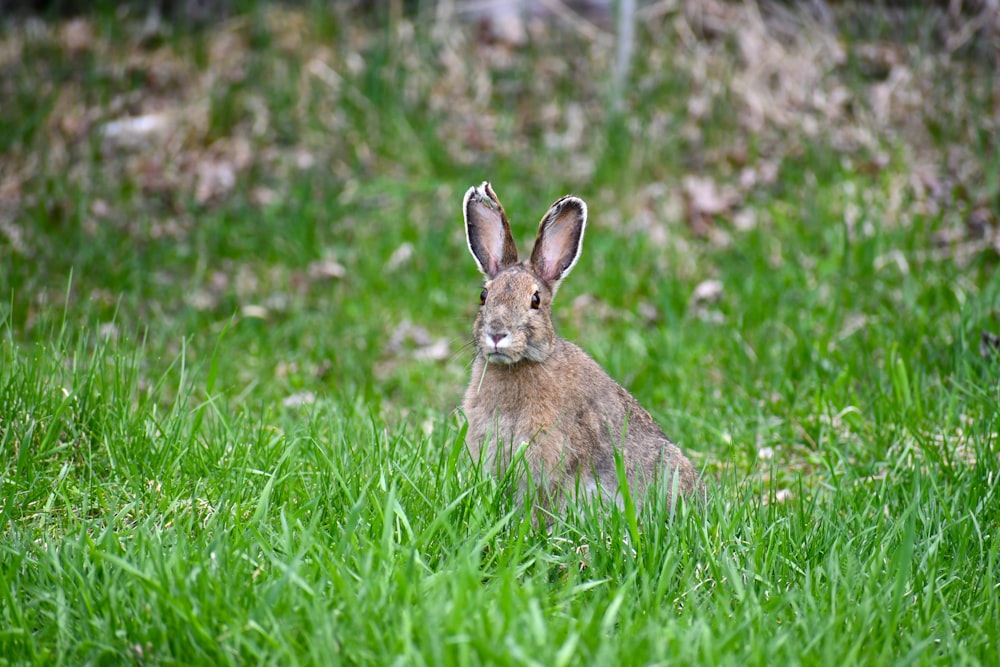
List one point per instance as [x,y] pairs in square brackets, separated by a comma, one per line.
[480,194]
[571,202]
[475,195]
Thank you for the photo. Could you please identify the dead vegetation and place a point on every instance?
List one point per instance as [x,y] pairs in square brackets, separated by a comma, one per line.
[191,124]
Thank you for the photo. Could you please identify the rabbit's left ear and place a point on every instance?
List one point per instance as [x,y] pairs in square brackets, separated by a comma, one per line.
[559,240]
[487,231]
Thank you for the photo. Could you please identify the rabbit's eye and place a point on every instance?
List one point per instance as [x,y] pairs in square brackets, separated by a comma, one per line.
[482,297]
[536,301]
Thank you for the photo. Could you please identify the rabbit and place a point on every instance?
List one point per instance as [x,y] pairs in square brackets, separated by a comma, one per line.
[531,386]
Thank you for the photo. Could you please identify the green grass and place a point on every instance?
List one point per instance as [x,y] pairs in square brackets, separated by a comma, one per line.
[212,454]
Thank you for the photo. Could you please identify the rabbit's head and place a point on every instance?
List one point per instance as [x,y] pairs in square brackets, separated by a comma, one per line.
[515,319]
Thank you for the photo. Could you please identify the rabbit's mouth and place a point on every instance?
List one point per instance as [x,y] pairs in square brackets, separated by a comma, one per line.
[499,358]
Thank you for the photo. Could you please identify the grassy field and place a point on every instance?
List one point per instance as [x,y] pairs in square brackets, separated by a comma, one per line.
[233,338]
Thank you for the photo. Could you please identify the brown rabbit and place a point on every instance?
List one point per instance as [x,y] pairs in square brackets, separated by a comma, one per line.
[529,386]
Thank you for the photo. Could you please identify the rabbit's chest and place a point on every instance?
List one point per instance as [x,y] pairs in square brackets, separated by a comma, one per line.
[510,418]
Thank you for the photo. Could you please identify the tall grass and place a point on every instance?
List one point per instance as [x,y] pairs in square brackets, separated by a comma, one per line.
[225,437]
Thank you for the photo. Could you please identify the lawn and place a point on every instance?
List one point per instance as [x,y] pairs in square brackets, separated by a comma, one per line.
[235,328]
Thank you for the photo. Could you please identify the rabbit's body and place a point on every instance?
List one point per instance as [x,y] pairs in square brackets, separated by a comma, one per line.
[530,386]
[572,434]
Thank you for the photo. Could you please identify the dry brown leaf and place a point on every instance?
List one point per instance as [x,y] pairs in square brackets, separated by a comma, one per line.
[77,36]
[400,257]
[325,269]
[707,291]
[416,342]
[215,179]
[254,311]
[299,399]
[137,133]
[704,200]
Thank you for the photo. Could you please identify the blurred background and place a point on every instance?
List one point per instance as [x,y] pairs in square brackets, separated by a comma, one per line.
[778,191]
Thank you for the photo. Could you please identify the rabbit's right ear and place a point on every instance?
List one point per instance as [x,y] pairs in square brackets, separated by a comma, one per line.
[559,240]
[487,231]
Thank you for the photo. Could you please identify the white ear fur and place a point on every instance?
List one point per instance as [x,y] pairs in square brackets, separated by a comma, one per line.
[560,239]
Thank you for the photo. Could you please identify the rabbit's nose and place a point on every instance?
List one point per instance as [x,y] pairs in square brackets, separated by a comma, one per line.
[497,337]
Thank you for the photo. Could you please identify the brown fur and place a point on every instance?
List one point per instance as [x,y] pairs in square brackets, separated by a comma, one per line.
[531,386]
